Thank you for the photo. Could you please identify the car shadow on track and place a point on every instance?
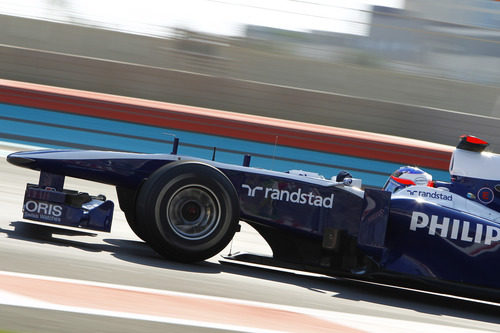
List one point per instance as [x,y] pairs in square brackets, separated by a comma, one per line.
[386,295]
[45,235]
[138,252]
[148,257]
[132,251]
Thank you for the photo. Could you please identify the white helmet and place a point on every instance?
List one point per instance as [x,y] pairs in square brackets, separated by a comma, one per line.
[407,176]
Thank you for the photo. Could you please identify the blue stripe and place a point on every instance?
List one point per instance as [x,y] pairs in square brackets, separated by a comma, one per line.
[373,172]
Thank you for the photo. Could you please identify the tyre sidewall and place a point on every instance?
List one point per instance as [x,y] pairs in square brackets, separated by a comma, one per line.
[156,194]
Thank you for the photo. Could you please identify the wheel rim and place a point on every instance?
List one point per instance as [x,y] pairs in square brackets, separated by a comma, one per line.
[193,212]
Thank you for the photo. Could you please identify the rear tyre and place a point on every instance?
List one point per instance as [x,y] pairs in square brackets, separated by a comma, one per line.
[187,211]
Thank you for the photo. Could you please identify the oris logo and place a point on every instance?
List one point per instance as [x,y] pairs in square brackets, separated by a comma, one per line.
[42,210]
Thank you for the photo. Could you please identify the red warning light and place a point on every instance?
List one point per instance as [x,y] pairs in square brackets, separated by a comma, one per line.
[474,140]
[472,143]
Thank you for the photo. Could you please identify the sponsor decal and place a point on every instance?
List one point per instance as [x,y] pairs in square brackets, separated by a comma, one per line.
[485,195]
[431,194]
[455,228]
[297,197]
[42,210]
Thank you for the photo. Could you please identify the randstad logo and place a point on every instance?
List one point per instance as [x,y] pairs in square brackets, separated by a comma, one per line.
[431,195]
[297,197]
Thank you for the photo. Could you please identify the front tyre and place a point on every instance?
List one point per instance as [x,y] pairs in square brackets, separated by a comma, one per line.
[188,211]
[127,199]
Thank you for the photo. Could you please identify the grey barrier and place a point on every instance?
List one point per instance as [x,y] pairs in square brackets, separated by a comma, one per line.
[149,82]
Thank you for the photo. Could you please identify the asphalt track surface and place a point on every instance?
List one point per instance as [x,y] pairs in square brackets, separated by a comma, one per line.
[57,280]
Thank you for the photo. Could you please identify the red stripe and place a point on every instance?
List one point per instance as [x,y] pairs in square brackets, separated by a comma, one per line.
[403,181]
[228,124]
[183,307]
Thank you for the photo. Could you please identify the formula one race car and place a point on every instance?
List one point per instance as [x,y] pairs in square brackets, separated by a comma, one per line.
[441,234]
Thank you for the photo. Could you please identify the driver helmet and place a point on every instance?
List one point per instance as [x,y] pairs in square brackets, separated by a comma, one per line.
[407,176]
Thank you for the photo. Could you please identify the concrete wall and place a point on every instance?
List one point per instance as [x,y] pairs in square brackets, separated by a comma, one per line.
[243,96]
[138,66]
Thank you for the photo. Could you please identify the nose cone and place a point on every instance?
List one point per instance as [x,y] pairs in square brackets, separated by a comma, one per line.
[20,159]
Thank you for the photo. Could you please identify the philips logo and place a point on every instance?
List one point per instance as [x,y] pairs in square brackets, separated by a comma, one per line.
[455,228]
[297,197]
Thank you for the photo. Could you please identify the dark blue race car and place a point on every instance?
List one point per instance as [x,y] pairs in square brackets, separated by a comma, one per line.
[414,231]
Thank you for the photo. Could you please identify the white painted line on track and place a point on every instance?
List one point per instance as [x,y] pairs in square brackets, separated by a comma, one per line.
[351,322]
[16,300]
[145,304]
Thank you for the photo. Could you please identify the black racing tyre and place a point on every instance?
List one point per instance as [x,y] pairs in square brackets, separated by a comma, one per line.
[132,222]
[126,199]
[188,211]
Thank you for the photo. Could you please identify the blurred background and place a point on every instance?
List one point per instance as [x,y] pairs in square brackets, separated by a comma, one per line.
[422,69]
